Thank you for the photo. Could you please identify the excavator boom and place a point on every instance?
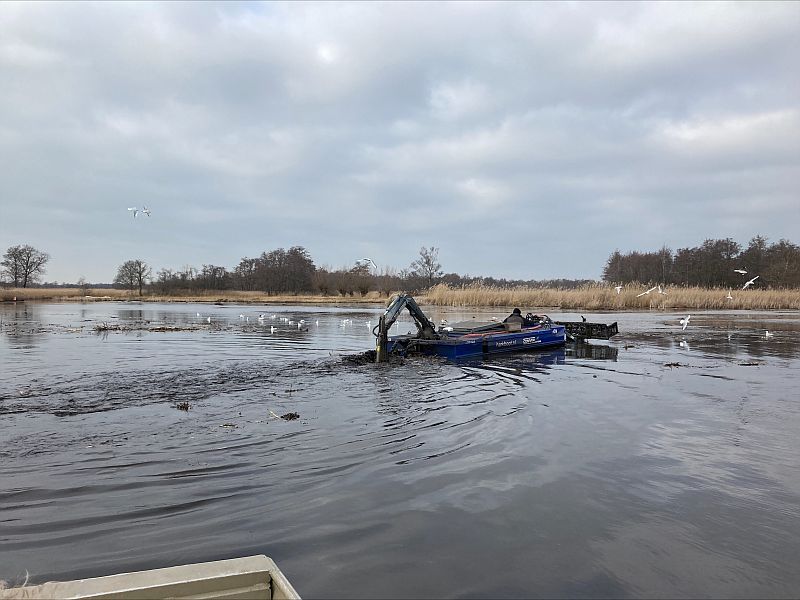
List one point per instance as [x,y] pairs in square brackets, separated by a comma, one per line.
[425,328]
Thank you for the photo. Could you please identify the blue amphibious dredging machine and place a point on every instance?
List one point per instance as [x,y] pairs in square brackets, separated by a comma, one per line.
[471,338]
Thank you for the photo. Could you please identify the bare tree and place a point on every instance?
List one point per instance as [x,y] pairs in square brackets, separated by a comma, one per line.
[24,265]
[132,274]
[427,265]
[712,264]
[361,278]
[83,285]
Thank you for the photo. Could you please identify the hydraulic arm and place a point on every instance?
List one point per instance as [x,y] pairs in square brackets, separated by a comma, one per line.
[425,328]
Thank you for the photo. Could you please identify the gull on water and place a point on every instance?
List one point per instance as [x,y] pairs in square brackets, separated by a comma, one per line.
[742,271]
[134,210]
[751,282]
[685,322]
[768,334]
[272,329]
[208,320]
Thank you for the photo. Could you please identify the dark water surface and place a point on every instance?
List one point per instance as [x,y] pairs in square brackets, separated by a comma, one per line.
[587,472]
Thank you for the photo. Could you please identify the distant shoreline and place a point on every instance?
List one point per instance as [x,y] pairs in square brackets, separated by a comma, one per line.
[592,297]
[217,297]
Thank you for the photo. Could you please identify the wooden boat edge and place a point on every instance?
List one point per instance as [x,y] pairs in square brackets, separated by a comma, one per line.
[247,577]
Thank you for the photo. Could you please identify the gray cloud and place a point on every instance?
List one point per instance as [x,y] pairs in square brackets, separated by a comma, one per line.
[524,139]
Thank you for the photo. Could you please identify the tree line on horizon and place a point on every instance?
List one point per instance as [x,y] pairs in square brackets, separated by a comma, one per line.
[292,271]
[714,263]
[278,271]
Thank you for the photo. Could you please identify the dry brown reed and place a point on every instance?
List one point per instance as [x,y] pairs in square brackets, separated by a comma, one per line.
[605,297]
[232,296]
[589,297]
[59,294]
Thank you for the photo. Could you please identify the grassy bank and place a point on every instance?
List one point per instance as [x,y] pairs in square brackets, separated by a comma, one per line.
[592,297]
[605,297]
[230,296]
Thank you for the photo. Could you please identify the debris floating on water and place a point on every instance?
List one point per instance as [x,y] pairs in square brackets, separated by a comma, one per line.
[290,416]
[183,406]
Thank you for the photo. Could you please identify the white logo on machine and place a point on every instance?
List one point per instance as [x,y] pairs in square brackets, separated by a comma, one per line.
[531,340]
[506,343]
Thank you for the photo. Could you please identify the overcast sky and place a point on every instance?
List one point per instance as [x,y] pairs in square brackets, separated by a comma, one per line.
[525,140]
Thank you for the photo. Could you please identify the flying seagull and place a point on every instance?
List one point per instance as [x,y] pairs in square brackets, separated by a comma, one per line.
[618,288]
[729,297]
[646,292]
[368,260]
[749,283]
[662,292]
[742,271]
[146,210]
[685,322]
[134,210]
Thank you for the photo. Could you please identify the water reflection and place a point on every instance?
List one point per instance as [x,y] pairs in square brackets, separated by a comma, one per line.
[629,468]
[21,323]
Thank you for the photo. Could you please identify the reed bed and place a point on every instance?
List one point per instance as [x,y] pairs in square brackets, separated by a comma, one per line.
[590,297]
[243,297]
[605,297]
[228,296]
[59,294]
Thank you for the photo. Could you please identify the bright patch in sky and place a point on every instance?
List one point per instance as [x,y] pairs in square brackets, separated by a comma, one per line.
[327,53]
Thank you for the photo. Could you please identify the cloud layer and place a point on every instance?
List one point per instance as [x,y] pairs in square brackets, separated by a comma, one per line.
[526,140]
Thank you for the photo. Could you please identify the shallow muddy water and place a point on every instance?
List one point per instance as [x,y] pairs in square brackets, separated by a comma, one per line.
[664,463]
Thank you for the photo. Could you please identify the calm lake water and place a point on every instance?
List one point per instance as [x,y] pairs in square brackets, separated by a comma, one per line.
[589,472]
